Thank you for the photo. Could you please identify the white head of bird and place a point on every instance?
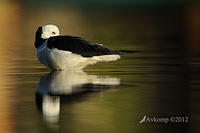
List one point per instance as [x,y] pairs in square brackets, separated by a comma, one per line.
[45,32]
[49,31]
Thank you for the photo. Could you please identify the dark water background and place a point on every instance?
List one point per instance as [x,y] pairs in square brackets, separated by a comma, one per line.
[162,80]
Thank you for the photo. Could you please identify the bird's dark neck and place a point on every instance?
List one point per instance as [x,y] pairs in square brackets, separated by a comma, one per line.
[39,42]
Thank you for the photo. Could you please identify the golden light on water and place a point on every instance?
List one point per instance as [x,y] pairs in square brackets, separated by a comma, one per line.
[9,25]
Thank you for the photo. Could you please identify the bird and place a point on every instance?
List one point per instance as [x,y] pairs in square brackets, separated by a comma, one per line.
[66,52]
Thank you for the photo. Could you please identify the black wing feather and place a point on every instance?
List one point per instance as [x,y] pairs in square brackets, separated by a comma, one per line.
[79,46]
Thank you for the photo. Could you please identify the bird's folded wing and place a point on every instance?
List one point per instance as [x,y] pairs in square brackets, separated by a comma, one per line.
[79,46]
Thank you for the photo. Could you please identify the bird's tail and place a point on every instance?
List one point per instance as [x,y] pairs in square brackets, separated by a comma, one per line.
[128,51]
[106,58]
[103,58]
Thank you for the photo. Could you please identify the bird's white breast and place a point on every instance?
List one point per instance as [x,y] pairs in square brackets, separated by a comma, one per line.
[59,59]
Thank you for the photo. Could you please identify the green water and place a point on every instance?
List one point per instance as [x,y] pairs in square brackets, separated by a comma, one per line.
[160,81]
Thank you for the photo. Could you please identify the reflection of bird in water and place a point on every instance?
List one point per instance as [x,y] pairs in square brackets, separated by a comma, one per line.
[70,52]
[67,84]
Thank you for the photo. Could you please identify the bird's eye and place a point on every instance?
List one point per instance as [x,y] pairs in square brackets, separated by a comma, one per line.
[53,32]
